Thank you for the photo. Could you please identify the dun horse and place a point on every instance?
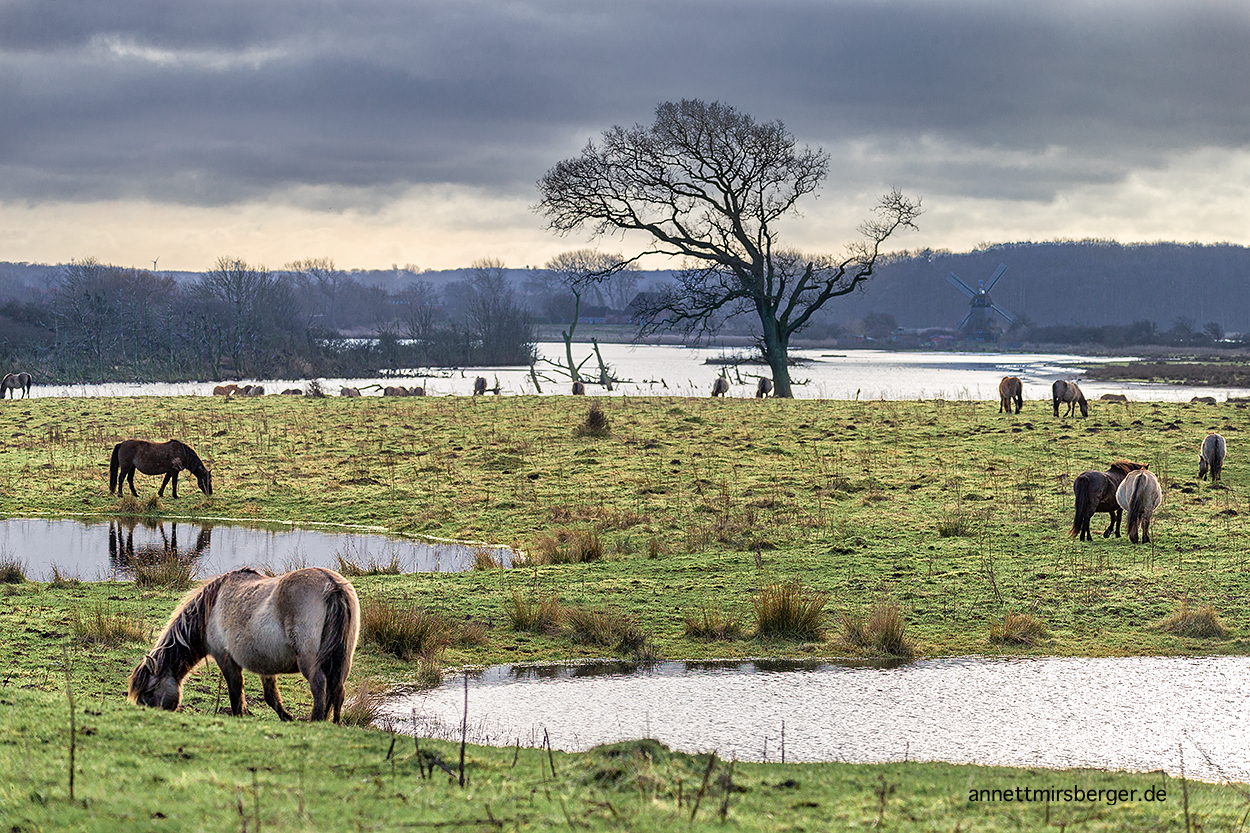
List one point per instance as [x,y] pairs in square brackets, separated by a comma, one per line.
[303,622]
[720,387]
[1010,390]
[764,388]
[1211,458]
[1140,495]
[1096,492]
[1062,391]
[167,458]
[14,382]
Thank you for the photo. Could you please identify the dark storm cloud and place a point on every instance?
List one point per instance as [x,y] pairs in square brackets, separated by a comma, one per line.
[215,102]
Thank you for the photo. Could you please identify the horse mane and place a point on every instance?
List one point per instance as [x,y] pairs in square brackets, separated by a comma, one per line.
[193,462]
[1126,466]
[181,644]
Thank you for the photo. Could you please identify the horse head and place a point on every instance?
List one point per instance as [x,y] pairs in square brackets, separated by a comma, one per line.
[152,688]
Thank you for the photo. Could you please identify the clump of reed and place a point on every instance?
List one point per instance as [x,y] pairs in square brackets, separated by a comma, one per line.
[954,525]
[607,628]
[595,424]
[364,706]
[408,633]
[534,615]
[12,571]
[103,627]
[567,546]
[60,580]
[1195,622]
[484,559]
[710,623]
[881,633]
[1017,629]
[372,567]
[169,571]
[789,611]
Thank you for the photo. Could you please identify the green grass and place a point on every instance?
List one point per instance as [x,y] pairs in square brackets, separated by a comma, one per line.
[687,506]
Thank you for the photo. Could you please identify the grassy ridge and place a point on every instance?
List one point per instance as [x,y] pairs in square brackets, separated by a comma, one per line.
[950,511]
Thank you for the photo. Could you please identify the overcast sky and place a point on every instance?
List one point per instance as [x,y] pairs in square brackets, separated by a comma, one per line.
[381,132]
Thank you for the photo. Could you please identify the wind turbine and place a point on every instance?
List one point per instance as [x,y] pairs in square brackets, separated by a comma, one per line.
[978,323]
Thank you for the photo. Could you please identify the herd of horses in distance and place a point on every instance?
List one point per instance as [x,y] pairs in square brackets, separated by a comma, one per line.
[308,621]
[1125,486]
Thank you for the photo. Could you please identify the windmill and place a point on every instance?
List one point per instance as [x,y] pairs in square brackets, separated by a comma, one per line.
[978,324]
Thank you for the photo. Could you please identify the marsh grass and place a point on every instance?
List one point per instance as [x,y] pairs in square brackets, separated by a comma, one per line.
[484,559]
[364,706]
[1195,622]
[881,633]
[955,524]
[104,627]
[372,567]
[1017,629]
[710,623]
[595,424]
[12,571]
[789,611]
[567,546]
[408,633]
[60,580]
[534,615]
[168,572]
[607,628]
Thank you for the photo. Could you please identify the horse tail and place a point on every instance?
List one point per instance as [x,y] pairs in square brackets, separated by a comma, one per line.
[114,465]
[1137,506]
[1083,507]
[338,642]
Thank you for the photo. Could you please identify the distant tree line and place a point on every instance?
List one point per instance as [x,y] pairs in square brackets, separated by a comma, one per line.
[96,322]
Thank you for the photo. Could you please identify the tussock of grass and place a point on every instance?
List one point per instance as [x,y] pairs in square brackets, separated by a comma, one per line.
[364,706]
[484,559]
[373,567]
[169,572]
[1195,622]
[405,632]
[788,611]
[883,633]
[956,525]
[537,616]
[567,546]
[60,580]
[596,423]
[12,571]
[103,627]
[709,623]
[472,635]
[607,628]
[1017,629]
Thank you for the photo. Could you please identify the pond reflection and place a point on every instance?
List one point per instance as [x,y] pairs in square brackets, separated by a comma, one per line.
[109,549]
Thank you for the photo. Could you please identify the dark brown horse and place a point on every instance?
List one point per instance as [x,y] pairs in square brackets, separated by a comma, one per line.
[15,382]
[1010,390]
[1095,492]
[156,458]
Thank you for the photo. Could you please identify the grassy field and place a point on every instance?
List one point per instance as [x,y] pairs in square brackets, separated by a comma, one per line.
[684,511]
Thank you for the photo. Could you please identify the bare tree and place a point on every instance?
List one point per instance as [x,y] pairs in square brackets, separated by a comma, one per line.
[318,277]
[577,271]
[709,184]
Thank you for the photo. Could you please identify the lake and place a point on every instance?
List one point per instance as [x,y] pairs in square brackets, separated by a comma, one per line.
[651,370]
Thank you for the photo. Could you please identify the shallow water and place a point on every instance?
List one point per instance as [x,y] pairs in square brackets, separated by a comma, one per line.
[95,550]
[653,370]
[1124,713]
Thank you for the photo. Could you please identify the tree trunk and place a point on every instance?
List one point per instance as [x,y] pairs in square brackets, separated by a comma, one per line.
[776,353]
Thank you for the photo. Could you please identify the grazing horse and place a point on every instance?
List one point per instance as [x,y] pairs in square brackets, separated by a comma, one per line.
[14,382]
[349,392]
[1211,458]
[303,622]
[156,458]
[1095,492]
[579,388]
[1140,495]
[1062,391]
[479,386]
[720,387]
[764,388]
[1010,389]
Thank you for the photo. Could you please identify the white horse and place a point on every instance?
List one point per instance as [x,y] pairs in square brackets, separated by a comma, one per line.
[306,622]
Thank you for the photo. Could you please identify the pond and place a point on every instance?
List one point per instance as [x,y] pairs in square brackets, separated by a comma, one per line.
[97,549]
[1123,713]
[653,370]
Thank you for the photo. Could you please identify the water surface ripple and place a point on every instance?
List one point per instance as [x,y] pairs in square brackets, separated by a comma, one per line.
[1124,713]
